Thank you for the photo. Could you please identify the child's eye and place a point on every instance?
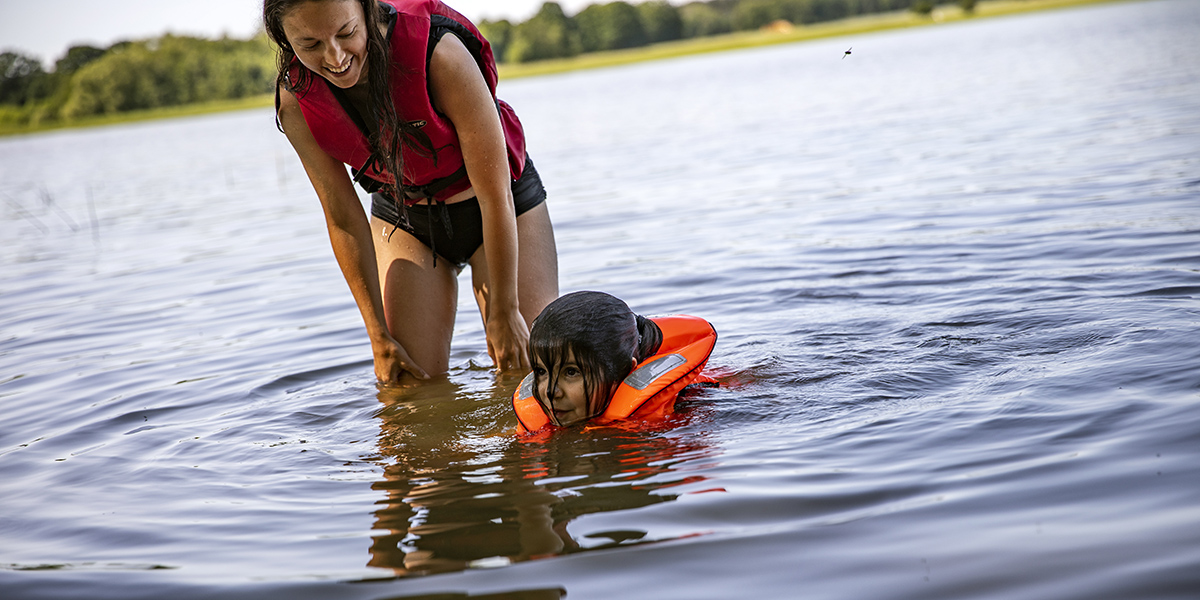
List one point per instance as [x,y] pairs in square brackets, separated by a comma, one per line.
[571,372]
[539,372]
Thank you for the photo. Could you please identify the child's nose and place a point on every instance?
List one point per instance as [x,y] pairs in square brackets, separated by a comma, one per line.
[551,393]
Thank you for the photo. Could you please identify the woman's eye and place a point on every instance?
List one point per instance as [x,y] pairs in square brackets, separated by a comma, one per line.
[539,372]
[571,372]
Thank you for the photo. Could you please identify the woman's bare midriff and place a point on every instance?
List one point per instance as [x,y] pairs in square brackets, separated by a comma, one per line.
[466,194]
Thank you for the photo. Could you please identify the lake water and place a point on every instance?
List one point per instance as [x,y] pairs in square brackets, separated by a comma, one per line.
[956,277]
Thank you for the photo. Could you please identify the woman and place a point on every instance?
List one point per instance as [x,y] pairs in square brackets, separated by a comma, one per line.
[408,86]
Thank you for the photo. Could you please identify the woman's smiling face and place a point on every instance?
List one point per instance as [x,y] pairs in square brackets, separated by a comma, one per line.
[567,403]
[330,38]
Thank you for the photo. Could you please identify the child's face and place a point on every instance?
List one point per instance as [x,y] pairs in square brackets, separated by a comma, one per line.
[567,403]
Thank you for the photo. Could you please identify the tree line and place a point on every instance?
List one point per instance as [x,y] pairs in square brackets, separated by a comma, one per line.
[173,70]
[165,71]
[551,33]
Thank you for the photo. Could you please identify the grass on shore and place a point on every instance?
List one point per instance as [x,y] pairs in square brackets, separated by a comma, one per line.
[732,41]
[783,35]
[165,112]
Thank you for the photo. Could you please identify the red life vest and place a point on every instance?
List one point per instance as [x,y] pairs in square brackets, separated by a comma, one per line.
[438,176]
[649,392]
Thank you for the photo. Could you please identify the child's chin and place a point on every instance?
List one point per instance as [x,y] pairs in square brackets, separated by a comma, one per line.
[571,422]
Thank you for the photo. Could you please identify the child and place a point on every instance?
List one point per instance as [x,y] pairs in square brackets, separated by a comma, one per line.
[595,360]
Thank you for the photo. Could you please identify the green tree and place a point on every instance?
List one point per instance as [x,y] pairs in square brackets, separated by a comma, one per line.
[661,21]
[21,78]
[798,11]
[56,86]
[922,7]
[75,58]
[170,70]
[829,10]
[752,14]
[548,34]
[610,26]
[119,81]
[702,19]
[498,34]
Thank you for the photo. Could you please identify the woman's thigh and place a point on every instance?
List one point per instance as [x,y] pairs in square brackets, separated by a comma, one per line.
[537,268]
[419,299]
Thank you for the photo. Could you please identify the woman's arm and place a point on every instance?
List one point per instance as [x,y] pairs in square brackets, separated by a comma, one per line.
[350,235]
[459,91]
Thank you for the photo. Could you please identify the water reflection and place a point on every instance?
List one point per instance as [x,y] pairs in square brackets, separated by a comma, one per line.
[455,502]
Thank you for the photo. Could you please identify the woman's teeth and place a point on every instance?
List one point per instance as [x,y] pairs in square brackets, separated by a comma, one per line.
[341,70]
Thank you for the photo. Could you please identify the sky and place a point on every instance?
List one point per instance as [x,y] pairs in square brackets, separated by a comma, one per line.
[46,28]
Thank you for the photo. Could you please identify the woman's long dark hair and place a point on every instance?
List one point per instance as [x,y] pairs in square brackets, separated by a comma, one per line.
[386,140]
[602,333]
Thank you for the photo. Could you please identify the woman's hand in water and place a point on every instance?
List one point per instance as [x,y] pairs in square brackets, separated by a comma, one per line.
[507,340]
[392,361]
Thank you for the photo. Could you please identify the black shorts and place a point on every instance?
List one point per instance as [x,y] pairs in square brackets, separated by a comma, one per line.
[458,242]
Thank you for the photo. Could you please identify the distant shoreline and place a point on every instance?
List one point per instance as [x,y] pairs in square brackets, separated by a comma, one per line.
[798,33]
[703,45]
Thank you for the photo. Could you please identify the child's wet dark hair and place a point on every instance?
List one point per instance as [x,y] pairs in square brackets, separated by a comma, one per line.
[602,333]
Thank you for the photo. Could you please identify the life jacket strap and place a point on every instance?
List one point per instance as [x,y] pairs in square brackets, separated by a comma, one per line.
[411,192]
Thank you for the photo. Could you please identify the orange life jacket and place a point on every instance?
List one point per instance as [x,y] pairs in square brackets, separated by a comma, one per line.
[648,392]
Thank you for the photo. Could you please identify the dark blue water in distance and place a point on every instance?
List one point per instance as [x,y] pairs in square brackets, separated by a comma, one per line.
[956,277]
